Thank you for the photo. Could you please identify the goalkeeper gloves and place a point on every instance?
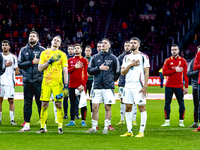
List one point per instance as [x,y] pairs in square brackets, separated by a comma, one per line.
[55,57]
[65,90]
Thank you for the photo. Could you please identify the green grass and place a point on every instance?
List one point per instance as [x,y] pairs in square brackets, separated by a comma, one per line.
[156,137]
[150,89]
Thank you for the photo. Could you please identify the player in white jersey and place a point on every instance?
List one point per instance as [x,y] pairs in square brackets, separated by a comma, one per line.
[7,80]
[136,68]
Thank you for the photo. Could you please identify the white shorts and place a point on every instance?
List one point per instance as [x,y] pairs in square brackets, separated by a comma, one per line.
[105,96]
[132,96]
[7,91]
[121,92]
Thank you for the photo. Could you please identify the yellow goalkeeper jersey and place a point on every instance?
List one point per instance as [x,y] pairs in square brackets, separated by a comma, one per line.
[52,75]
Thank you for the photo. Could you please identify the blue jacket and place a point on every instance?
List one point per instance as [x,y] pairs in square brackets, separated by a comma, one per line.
[29,70]
[104,79]
[122,78]
[193,75]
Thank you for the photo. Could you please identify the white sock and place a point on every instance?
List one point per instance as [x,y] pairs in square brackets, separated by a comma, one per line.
[134,112]
[0,115]
[129,121]
[94,124]
[109,122]
[27,125]
[143,121]
[106,124]
[180,121]
[122,109]
[55,110]
[12,115]
[166,120]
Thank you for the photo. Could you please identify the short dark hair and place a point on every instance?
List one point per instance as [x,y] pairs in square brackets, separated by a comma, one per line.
[136,39]
[106,40]
[89,47]
[34,32]
[70,46]
[198,46]
[99,42]
[173,45]
[126,42]
[5,41]
[78,45]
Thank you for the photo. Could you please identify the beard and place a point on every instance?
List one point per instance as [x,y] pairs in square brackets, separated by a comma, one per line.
[133,49]
[174,54]
[32,42]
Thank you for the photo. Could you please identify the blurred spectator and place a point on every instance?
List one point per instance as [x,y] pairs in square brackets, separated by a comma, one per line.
[49,38]
[36,11]
[20,8]
[15,33]
[79,35]
[58,31]
[84,22]
[89,20]
[195,39]
[63,35]
[124,27]
[32,10]
[9,23]
[91,4]
[14,7]
[92,45]
[24,34]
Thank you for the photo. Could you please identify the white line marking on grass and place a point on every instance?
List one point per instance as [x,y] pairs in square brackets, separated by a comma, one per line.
[164,129]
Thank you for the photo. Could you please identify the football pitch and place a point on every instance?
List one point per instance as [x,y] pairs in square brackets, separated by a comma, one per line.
[156,137]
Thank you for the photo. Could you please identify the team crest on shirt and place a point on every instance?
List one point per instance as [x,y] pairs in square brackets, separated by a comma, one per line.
[128,60]
[171,63]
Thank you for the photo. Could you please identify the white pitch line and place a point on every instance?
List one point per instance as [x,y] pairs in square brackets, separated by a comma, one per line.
[151,96]
[164,129]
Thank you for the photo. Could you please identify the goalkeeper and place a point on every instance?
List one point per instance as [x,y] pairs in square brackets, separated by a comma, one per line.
[53,62]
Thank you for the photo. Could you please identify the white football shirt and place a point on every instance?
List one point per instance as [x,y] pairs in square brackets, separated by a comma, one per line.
[7,78]
[135,75]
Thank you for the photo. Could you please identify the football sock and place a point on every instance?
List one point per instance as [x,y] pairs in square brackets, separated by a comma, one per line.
[134,112]
[106,123]
[83,112]
[123,108]
[60,117]
[94,124]
[180,121]
[55,110]
[43,116]
[27,125]
[0,115]
[143,121]
[12,115]
[129,121]
[166,120]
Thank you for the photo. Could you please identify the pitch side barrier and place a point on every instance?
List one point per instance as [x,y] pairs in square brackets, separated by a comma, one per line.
[153,81]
